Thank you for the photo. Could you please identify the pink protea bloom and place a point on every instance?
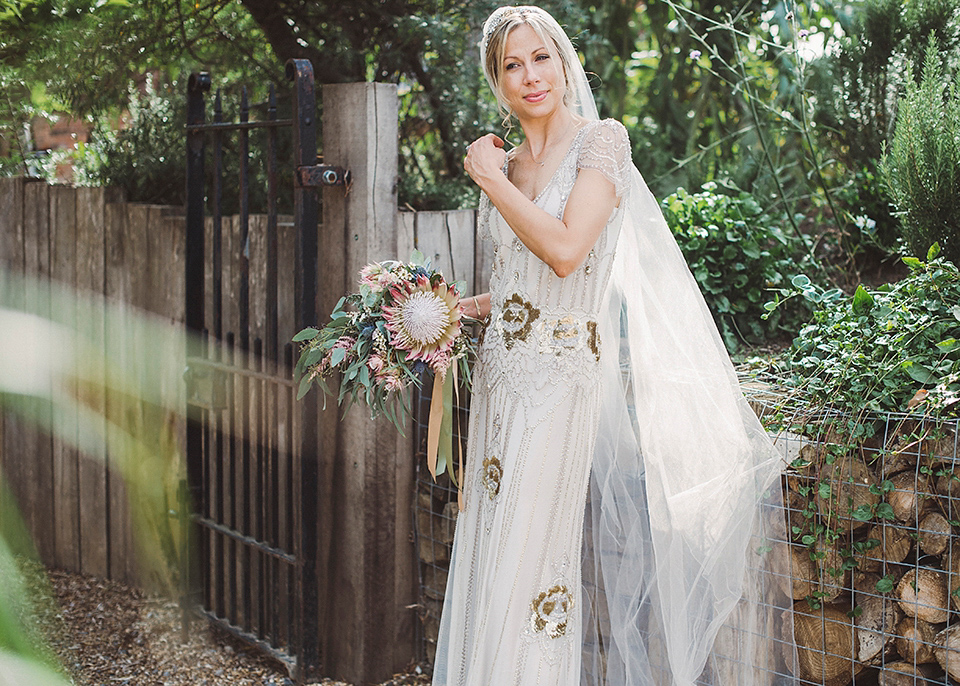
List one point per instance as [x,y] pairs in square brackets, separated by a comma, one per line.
[424,320]
[375,363]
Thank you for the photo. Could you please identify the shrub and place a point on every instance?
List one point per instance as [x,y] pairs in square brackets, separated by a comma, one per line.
[922,169]
[737,254]
[874,351]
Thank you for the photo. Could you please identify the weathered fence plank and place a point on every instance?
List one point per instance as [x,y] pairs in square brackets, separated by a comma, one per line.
[66,488]
[121,341]
[37,446]
[11,258]
[92,468]
[369,487]
[11,222]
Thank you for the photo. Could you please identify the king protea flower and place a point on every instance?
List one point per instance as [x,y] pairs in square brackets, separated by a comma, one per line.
[424,319]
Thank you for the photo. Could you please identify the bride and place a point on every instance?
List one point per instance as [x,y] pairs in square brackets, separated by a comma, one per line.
[620,495]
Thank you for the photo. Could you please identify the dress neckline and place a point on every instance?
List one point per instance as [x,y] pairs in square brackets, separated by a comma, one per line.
[563,161]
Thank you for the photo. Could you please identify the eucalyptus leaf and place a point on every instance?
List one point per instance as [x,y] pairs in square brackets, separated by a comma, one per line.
[306,335]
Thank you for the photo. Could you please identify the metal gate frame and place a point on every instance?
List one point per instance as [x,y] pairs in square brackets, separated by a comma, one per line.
[283,621]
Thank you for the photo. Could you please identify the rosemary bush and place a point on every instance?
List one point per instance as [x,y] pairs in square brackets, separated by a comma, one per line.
[922,169]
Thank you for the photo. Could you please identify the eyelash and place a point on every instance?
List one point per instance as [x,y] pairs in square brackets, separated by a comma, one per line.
[537,58]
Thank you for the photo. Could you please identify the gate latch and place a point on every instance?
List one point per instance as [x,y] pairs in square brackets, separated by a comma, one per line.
[322,175]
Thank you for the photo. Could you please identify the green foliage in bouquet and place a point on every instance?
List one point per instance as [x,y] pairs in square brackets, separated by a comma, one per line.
[737,254]
[880,349]
[922,169]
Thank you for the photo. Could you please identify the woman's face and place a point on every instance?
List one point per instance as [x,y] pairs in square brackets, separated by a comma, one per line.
[532,79]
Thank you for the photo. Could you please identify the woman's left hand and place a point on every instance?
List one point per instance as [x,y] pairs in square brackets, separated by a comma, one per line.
[485,158]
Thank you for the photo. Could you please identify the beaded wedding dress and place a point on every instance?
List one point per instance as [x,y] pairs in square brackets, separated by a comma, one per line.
[512,612]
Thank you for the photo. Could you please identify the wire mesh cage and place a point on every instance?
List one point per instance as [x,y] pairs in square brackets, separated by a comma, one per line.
[871,559]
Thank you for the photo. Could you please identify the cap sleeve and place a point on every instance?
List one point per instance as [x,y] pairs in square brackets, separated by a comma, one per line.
[606,148]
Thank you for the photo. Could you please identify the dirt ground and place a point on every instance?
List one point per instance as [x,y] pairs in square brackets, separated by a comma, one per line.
[107,633]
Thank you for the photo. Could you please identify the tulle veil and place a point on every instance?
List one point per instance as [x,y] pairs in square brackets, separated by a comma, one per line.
[684,513]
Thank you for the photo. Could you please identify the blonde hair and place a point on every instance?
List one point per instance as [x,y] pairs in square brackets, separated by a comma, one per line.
[495,32]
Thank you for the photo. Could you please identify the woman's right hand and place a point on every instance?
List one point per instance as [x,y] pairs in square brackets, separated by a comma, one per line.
[485,158]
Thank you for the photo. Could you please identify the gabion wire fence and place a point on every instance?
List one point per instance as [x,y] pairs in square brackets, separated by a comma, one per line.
[872,510]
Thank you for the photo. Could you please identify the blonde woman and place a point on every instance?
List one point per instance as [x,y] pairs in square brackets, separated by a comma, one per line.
[615,476]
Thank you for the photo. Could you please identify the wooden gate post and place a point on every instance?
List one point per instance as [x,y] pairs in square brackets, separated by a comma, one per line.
[367,558]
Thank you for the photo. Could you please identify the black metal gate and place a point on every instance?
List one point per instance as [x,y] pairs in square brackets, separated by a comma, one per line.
[252,477]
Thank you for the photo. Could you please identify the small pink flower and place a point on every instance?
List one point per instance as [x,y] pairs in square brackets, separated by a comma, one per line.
[371,275]
[390,380]
[345,342]
[440,364]
[375,363]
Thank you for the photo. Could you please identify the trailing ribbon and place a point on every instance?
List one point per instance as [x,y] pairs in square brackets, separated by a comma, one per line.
[440,430]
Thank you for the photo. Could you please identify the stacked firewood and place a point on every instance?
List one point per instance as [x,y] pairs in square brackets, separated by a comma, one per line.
[875,564]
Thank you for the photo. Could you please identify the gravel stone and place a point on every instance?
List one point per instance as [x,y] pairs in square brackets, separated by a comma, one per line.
[107,633]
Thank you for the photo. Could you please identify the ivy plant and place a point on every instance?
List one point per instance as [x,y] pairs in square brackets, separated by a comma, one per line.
[884,349]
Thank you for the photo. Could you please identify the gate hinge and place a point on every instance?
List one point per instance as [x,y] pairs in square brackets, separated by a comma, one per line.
[322,175]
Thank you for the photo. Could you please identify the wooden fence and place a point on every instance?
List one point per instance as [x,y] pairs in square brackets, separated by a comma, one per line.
[76,505]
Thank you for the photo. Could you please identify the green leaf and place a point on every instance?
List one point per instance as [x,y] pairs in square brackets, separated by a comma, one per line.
[933,251]
[885,511]
[948,345]
[337,356]
[913,263]
[305,335]
[919,372]
[304,387]
[800,281]
[862,301]
[885,585]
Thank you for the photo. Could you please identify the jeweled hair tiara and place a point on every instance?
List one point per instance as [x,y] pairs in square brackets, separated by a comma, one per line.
[502,13]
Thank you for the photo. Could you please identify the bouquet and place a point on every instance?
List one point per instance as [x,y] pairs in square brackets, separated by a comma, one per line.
[404,321]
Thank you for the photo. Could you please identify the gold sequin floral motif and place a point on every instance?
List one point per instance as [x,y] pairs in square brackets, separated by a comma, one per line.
[594,340]
[492,473]
[551,611]
[517,319]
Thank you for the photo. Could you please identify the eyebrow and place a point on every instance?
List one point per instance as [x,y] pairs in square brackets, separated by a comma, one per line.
[513,57]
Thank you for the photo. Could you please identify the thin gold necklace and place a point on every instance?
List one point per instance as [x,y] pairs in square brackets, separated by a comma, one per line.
[547,157]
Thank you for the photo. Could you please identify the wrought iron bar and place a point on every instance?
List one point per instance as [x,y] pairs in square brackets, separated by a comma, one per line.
[306,636]
[194,318]
[243,538]
[236,126]
[240,371]
[288,660]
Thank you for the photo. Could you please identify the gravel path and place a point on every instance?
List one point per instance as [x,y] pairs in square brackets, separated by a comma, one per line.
[106,633]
